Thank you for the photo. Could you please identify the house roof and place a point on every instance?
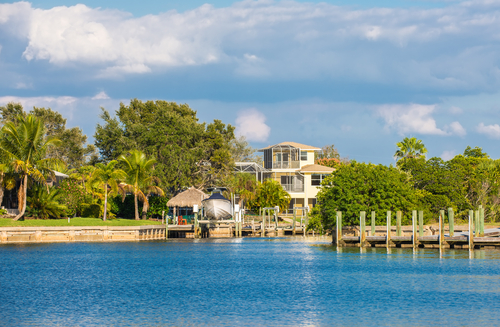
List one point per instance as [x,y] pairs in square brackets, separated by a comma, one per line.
[293,144]
[316,169]
[188,198]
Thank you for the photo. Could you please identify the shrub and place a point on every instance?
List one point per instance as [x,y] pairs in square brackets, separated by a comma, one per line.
[45,203]
[90,210]
[72,195]
[157,204]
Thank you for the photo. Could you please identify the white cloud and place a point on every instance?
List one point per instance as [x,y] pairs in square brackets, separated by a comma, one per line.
[413,118]
[492,131]
[100,96]
[456,128]
[251,123]
[416,118]
[448,154]
[455,110]
[450,48]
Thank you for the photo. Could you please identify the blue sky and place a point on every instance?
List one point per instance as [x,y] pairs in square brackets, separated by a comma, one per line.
[358,74]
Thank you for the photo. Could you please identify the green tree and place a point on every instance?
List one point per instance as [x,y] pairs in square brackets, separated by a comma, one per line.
[187,152]
[477,152]
[25,146]
[45,204]
[365,187]
[109,177]
[139,180]
[271,194]
[245,185]
[241,151]
[10,112]
[410,148]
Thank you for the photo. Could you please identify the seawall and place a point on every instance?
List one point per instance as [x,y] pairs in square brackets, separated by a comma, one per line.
[81,234]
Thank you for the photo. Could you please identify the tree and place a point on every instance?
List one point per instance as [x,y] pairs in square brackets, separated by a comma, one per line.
[187,152]
[139,177]
[477,152]
[241,151]
[45,204]
[10,112]
[25,146]
[365,187]
[271,194]
[109,178]
[245,185]
[410,148]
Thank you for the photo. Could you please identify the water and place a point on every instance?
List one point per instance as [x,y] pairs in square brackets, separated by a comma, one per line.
[247,282]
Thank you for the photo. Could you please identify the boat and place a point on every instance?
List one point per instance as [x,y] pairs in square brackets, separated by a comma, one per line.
[217,207]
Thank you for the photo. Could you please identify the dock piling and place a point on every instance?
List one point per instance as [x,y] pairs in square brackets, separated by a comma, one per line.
[339,227]
[362,228]
[414,225]
[481,221]
[420,223]
[388,237]
[398,223]
[373,224]
[294,219]
[441,229]
[476,221]
[471,234]
[451,221]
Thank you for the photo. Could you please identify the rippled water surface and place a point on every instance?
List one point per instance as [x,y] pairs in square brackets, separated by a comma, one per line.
[251,281]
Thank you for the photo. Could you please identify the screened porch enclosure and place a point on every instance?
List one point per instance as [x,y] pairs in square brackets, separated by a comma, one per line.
[282,157]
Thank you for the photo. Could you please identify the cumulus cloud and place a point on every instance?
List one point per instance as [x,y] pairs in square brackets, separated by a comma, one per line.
[413,118]
[416,118]
[448,154]
[450,48]
[251,123]
[492,131]
[100,96]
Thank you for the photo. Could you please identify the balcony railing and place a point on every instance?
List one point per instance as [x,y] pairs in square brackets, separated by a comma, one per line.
[286,164]
[293,188]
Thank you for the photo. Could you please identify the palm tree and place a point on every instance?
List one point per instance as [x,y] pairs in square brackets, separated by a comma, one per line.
[43,204]
[109,177]
[24,145]
[270,193]
[245,185]
[140,182]
[410,148]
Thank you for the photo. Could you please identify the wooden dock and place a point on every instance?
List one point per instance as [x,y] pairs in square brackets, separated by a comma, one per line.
[474,236]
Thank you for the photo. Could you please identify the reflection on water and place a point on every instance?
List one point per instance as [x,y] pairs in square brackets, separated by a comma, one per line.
[249,282]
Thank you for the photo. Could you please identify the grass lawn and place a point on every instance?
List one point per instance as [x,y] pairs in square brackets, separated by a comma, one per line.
[8,222]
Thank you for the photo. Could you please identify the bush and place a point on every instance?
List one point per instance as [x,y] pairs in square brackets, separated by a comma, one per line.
[157,204]
[45,203]
[72,196]
[90,210]
[125,208]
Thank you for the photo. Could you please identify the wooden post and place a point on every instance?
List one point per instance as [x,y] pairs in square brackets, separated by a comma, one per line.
[305,223]
[441,229]
[263,215]
[420,223]
[476,227]
[373,224]
[388,237]
[451,221]
[481,221]
[163,216]
[339,227]
[195,225]
[362,228]
[166,229]
[294,218]
[398,223]
[414,225]
[471,234]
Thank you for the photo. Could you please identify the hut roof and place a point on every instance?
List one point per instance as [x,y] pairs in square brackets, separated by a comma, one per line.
[188,198]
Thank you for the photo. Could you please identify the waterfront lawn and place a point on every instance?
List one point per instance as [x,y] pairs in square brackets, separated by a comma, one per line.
[8,222]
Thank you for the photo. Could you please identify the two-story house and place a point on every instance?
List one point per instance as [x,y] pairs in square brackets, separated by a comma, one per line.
[292,165]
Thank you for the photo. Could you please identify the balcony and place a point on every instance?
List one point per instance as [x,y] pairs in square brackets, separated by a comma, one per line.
[291,188]
[286,164]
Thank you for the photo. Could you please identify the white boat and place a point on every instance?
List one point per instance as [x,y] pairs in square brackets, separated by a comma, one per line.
[217,207]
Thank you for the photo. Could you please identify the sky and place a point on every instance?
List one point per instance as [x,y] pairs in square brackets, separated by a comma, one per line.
[359,74]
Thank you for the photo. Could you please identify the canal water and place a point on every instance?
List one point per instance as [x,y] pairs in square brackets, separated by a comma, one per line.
[245,282]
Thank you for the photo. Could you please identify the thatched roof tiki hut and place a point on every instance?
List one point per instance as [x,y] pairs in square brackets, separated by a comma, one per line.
[183,202]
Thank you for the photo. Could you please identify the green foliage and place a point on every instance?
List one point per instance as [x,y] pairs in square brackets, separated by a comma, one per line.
[243,184]
[125,208]
[366,187]
[477,152]
[157,204]
[45,203]
[270,194]
[75,222]
[314,222]
[410,148]
[187,152]
[241,151]
[91,210]
[72,196]
[3,212]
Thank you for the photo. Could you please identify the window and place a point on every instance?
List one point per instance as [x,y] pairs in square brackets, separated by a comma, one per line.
[303,155]
[316,179]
